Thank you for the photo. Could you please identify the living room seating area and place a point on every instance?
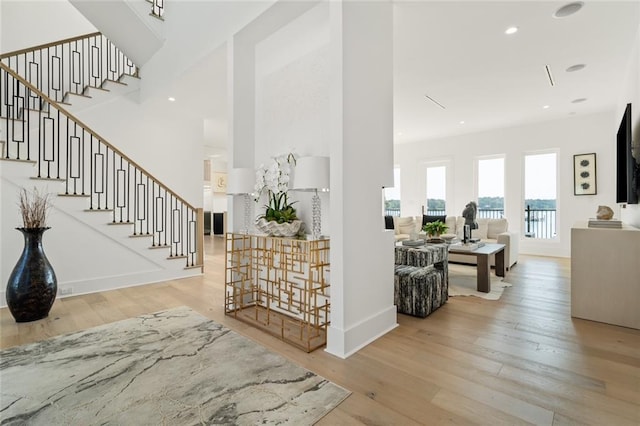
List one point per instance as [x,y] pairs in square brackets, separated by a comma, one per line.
[489,231]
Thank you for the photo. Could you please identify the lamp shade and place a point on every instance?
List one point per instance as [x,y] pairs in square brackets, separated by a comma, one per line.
[311,173]
[241,181]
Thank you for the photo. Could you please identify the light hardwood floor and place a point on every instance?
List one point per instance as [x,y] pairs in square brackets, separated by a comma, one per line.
[519,360]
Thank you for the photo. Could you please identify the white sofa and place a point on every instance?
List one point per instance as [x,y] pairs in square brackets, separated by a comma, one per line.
[404,226]
[489,231]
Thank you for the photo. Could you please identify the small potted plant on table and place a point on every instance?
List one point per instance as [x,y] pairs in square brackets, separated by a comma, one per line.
[434,230]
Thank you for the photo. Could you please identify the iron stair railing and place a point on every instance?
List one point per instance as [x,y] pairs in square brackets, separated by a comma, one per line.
[38,128]
[71,66]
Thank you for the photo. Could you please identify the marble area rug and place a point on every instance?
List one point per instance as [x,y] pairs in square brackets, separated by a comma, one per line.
[174,367]
[463,282]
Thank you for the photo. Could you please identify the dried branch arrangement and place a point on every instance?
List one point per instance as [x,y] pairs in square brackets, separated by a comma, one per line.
[34,206]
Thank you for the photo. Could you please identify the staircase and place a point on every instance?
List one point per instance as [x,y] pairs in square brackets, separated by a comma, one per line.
[101,190]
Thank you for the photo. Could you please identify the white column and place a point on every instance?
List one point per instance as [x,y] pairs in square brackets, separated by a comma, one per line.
[361,149]
[241,118]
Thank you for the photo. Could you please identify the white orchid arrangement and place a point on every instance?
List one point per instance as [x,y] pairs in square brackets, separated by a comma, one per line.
[274,179]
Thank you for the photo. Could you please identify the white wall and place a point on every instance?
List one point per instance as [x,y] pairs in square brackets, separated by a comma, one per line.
[30,23]
[292,99]
[194,29]
[575,135]
[631,94]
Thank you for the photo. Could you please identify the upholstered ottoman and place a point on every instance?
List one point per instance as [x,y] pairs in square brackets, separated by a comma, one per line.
[421,283]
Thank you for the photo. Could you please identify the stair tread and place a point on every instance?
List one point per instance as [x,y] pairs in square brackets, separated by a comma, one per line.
[98,88]
[130,75]
[183,256]
[18,161]
[74,195]
[121,223]
[99,210]
[115,81]
[77,94]
[140,235]
[159,247]
[47,178]
[156,16]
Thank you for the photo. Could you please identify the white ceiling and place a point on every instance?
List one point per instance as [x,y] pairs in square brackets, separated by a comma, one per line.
[458,53]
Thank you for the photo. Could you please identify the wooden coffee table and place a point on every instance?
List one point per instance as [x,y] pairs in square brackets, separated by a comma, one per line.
[482,256]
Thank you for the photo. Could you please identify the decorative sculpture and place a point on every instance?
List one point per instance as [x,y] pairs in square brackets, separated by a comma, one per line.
[604,213]
[469,213]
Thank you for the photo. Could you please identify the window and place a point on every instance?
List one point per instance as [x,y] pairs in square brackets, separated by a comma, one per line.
[540,195]
[436,190]
[392,196]
[491,187]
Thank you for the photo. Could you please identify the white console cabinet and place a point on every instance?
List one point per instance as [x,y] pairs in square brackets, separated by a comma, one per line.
[605,275]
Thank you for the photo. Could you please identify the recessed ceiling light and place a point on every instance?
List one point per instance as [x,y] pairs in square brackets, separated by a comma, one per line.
[511,30]
[568,9]
[399,134]
[214,156]
[576,67]
[171,99]
[572,113]
[577,101]
[461,122]
[545,107]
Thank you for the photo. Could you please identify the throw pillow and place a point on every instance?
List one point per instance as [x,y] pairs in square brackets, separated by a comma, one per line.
[405,225]
[483,227]
[460,226]
[497,226]
[433,218]
[388,222]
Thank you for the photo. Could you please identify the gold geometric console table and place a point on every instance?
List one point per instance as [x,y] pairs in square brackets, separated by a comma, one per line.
[280,285]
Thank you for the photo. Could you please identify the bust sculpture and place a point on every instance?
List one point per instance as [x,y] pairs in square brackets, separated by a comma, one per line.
[469,213]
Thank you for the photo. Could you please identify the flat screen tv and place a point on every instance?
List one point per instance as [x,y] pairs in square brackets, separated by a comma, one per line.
[625,163]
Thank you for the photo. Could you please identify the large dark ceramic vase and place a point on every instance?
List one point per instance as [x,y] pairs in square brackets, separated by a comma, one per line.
[32,286]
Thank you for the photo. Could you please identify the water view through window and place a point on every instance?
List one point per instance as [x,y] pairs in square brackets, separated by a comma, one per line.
[392,196]
[491,187]
[436,190]
[540,195]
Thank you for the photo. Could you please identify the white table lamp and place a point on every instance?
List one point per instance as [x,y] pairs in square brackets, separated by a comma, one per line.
[312,174]
[241,181]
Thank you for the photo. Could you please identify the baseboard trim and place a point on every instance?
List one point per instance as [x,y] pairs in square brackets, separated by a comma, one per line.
[344,343]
